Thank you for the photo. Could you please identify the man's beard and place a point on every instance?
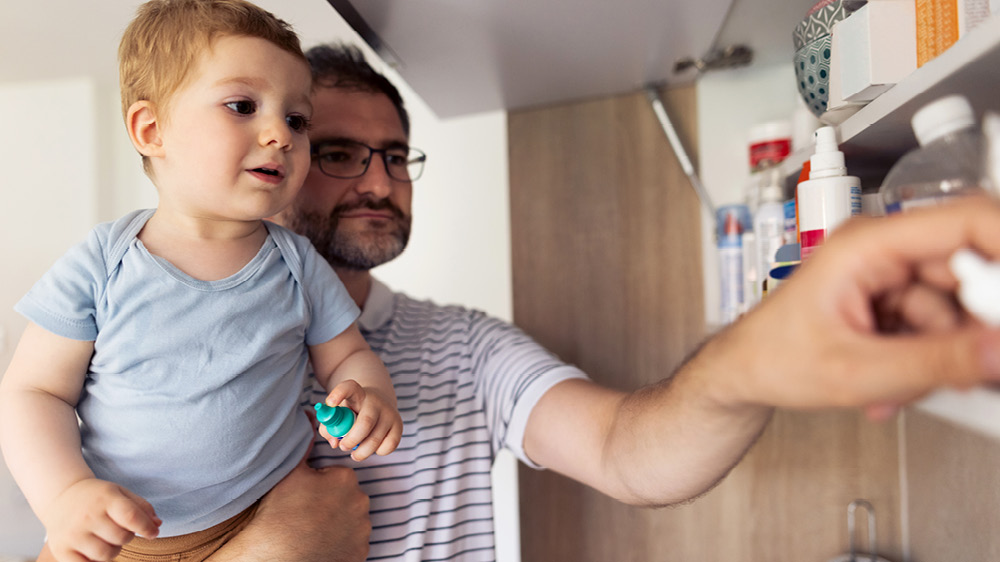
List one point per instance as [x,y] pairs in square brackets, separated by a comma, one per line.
[352,250]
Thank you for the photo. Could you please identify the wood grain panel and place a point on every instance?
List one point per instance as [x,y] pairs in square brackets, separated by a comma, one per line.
[954,498]
[607,274]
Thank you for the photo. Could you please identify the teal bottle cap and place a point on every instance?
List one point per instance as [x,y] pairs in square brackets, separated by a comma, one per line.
[338,420]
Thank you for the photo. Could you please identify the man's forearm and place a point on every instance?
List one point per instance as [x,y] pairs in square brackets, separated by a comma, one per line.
[675,440]
[660,445]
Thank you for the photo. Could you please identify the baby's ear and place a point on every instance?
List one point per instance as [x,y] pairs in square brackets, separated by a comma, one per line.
[144,128]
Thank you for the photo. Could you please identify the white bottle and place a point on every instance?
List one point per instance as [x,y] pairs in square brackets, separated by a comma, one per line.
[769,226]
[829,196]
[978,282]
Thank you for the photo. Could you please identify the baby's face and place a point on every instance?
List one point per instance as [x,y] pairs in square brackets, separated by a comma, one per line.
[234,138]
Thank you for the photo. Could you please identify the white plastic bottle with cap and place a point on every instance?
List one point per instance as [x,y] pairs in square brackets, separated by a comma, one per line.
[829,196]
[769,226]
[948,161]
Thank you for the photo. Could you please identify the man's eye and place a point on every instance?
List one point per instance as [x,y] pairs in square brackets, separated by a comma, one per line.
[298,123]
[335,156]
[395,159]
[243,107]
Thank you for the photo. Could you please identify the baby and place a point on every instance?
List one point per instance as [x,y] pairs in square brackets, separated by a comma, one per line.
[155,391]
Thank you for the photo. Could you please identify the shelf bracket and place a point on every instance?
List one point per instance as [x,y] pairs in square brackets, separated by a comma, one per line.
[675,143]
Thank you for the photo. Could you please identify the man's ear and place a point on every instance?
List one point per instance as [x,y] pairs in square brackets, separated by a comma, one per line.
[144,128]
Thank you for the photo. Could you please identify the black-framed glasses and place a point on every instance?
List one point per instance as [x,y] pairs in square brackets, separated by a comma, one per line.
[346,159]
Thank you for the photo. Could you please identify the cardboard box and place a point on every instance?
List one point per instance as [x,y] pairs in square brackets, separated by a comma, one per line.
[940,23]
[877,48]
[837,108]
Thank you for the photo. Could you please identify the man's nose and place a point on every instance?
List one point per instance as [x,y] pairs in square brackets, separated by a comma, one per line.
[376,180]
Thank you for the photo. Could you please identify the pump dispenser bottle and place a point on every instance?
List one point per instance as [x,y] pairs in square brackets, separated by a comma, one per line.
[829,196]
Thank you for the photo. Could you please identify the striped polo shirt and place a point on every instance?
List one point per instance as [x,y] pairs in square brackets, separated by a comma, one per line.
[465,384]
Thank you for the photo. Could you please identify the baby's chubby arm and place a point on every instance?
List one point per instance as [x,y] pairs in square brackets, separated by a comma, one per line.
[85,518]
[356,378]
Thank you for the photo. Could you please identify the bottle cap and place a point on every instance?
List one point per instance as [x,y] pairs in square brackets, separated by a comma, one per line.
[732,225]
[337,419]
[770,143]
[941,117]
[732,221]
[828,160]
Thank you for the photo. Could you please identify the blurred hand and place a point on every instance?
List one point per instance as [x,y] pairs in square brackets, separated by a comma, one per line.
[870,319]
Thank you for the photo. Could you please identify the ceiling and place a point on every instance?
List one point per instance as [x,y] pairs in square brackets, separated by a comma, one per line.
[460,56]
[469,56]
[57,39]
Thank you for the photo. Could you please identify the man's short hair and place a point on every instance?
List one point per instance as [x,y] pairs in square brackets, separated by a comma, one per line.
[166,37]
[342,66]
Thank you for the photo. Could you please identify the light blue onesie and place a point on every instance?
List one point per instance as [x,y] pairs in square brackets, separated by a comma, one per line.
[191,399]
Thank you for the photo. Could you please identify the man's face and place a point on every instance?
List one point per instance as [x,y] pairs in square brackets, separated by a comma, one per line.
[362,222]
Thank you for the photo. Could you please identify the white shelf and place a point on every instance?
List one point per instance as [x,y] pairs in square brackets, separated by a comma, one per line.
[977,409]
[876,136]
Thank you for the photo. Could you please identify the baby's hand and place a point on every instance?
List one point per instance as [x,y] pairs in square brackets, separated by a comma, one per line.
[377,428]
[93,519]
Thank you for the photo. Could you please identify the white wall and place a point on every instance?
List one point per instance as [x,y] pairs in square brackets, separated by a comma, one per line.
[47,203]
[460,246]
[69,165]
[730,102]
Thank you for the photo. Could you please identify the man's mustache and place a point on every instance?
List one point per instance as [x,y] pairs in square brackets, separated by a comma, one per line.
[372,205]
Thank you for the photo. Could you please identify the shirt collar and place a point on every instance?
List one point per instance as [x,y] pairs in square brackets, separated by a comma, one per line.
[378,307]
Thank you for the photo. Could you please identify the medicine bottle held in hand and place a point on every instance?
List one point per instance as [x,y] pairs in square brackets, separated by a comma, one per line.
[338,420]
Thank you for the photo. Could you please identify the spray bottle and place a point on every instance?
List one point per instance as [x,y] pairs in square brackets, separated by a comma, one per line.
[829,196]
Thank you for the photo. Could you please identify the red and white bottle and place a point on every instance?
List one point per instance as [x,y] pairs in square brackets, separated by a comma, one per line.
[829,196]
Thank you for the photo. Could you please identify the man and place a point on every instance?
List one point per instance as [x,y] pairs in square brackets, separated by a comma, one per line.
[469,385]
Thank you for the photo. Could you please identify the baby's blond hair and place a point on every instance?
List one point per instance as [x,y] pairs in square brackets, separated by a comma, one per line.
[165,39]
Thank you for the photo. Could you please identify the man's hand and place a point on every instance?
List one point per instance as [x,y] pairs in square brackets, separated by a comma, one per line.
[870,319]
[310,516]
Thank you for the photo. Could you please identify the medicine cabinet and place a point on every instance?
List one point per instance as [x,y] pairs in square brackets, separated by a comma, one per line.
[879,133]
[487,47]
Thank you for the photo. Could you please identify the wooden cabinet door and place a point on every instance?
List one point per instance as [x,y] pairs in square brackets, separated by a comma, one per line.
[607,273]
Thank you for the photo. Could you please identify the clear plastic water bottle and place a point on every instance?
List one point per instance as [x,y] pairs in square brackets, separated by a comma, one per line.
[947,163]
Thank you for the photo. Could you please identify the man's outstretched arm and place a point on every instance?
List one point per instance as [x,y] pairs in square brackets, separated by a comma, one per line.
[869,321]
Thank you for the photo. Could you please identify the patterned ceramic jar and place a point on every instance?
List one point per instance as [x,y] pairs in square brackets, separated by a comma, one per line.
[813,49]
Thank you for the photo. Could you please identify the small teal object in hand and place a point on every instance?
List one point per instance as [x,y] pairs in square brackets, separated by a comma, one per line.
[337,419]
